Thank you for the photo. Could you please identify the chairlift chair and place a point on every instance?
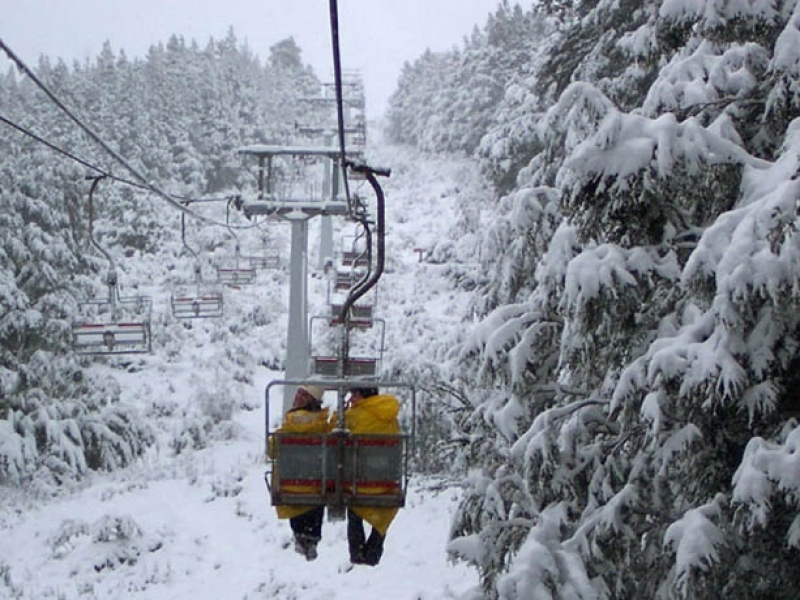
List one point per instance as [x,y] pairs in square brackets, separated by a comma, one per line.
[267,260]
[370,346]
[236,274]
[361,315]
[197,306]
[116,324]
[105,328]
[269,257]
[354,254]
[352,258]
[341,468]
[344,280]
[339,286]
[354,366]
[197,300]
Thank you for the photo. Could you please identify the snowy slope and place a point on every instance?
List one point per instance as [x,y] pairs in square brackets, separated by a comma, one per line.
[192,519]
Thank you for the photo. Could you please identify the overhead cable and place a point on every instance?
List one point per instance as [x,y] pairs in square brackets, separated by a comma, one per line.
[337,80]
[145,184]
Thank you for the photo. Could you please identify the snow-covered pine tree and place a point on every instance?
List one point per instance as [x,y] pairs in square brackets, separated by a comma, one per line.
[177,116]
[661,467]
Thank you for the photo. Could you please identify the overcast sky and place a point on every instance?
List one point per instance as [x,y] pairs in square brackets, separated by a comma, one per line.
[376,36]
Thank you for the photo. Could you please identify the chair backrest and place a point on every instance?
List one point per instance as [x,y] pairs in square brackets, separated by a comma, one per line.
[207,304]
[374,469]
[111,338]
[327,366]
[305,469]
[236,276]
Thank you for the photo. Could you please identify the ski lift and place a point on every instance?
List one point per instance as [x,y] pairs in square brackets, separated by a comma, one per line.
[197,301]
[341,468]
[237,274]
[116,324]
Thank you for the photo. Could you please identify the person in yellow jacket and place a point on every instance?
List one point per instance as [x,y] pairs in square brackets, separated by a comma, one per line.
[307,415]
[370,412]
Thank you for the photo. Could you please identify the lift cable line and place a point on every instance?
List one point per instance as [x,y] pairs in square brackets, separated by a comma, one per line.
[55,148]
[109,175]
[144,183]
[337,80]
[186,200]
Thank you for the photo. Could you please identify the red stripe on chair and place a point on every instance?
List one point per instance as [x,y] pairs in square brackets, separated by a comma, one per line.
[300,441]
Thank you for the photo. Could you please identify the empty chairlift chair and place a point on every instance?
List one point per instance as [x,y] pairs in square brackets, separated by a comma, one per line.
[196,300]
[196,303]
[116,324]
[241,272]
[366,339]
[269,258]
[344,280]
[354,252]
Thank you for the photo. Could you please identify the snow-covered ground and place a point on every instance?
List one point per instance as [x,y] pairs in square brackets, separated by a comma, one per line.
[192,518]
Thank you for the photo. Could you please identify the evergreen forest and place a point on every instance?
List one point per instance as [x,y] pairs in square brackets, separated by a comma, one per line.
[620,400]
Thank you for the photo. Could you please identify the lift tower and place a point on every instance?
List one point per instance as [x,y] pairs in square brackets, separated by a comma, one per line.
[296,200]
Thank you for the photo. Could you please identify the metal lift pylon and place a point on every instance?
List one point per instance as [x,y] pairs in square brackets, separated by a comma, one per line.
[298,210]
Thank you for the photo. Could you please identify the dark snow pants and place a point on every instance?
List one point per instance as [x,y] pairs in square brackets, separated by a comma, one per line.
[309,524]
[363,550]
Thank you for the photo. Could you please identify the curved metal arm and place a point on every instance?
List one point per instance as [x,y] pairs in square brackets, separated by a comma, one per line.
[233,233]
[197,272]
[95,180]
[111,276]
[362,287]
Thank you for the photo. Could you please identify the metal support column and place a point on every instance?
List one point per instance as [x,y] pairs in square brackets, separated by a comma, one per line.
[326,225]
[297,351]
[325,241]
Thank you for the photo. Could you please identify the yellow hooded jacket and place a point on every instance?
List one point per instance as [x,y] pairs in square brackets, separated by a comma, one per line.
[300,421]
[376,414]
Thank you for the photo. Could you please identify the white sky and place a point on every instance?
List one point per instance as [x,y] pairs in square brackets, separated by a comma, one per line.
[376,36]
